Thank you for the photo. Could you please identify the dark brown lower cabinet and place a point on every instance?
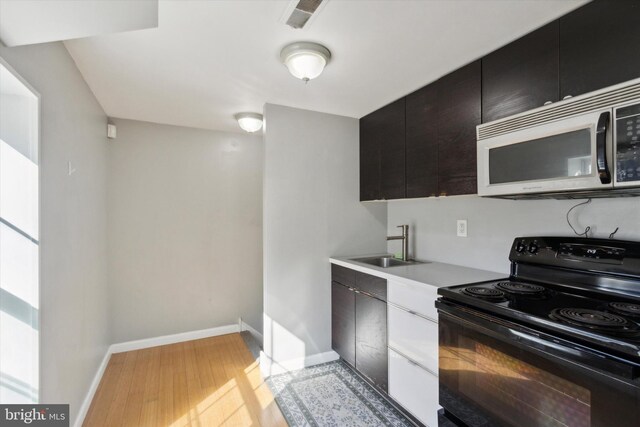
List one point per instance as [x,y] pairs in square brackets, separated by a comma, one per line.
[344,276]
[371,339]
[376,286]
[343,322]
[359,322]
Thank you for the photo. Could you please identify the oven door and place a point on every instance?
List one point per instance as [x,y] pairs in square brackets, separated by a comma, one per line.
[494,373]
[566,155]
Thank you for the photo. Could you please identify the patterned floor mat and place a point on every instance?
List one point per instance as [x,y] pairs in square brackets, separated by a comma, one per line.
[331,394]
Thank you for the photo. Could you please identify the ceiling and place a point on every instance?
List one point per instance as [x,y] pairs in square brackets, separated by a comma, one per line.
[210,59]
[36,21]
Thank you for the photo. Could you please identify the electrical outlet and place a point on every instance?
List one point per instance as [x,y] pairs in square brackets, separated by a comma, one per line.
[462,228]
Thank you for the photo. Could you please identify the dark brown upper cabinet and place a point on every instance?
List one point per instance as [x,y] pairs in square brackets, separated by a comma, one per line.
[369,159]
[521,75]
[599,46]
[422,142]
[392,152]
[427,140]
[425,143]
[382,153]
[459,107]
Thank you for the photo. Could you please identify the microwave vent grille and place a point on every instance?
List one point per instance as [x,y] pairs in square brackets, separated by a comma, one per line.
[602,99]
[573,195]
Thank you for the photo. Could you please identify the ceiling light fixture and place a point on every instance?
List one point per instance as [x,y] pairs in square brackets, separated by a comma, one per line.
[305,60]
[250,122]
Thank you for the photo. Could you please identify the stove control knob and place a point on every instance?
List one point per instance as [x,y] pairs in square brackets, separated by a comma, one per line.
[533,248]
[520,247]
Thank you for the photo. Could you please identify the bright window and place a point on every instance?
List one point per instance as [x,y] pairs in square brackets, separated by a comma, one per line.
[19,241]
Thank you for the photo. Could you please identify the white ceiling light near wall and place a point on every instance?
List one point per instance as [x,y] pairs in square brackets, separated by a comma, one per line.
[305,60]
[250,122]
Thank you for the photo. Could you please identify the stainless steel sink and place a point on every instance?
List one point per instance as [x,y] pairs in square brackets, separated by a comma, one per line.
[385,262]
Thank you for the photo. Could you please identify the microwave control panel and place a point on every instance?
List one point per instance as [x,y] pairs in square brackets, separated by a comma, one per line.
[628,143]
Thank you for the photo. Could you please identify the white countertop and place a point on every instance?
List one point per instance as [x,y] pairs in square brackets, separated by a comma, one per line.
[436,274]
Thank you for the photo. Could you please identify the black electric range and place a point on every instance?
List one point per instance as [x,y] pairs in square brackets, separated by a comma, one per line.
[555,343]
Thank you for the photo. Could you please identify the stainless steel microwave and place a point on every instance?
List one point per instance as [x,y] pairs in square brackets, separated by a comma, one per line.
[587,146]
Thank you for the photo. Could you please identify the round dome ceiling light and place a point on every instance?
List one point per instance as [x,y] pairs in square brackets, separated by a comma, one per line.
[305,60]
[250,122]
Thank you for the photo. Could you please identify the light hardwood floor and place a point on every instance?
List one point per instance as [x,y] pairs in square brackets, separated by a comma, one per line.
[208,382]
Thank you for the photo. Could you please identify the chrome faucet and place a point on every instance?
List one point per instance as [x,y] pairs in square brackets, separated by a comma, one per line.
[405,241]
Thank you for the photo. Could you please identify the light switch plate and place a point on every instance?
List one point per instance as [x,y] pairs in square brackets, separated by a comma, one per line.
[462,228]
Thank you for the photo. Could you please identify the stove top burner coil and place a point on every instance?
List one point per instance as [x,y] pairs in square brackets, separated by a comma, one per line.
[484,293]
[520,288]
[596,320]
[625,308]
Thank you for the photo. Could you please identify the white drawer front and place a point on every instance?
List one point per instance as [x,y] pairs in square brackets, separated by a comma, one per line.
[418,298]
[414,388]
[413,336]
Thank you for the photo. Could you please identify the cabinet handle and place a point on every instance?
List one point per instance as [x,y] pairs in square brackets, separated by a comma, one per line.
[567,97]
[368,294]
[548,102]
[411,362]
[413,313]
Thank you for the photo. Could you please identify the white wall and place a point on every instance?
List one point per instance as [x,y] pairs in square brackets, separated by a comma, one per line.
[311,212]
[185,223]
[73,236]
[493,224]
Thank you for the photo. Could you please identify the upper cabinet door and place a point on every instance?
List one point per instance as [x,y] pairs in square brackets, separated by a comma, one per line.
[369,159]
[392,150]
[382,151]
[458,115]
[599,46]
[521,75]
[422,142]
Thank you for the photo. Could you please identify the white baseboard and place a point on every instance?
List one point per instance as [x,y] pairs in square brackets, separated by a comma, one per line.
[257,335]
[138,345]
[270,367]
[86,403]
[172,339]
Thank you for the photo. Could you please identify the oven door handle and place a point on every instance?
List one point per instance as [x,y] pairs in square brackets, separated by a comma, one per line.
[543,345]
